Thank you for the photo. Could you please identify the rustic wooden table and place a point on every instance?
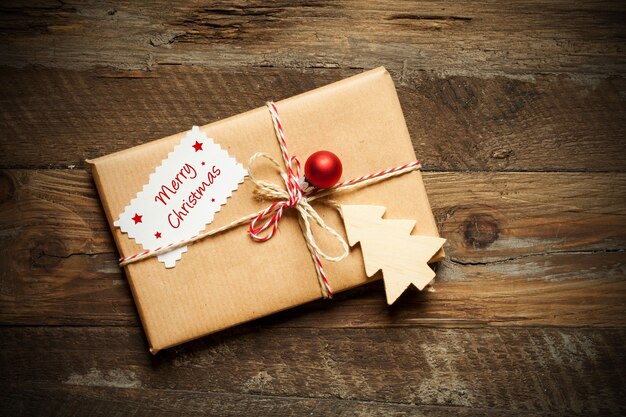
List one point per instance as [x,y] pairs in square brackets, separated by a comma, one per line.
[518,111]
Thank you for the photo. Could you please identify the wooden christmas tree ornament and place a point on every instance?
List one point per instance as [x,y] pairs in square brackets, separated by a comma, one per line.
[387,245]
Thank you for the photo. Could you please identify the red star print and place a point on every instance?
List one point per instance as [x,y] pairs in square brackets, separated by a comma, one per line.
[137,218]
[197,146]
[203,164]
[212,200]
[157,235]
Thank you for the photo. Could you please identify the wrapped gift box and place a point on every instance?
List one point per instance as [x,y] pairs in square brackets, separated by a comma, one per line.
[229,278]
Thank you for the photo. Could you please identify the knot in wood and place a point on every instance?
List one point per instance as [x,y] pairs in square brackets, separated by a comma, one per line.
[480,230]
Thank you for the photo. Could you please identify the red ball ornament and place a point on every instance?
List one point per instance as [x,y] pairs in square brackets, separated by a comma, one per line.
[323,169]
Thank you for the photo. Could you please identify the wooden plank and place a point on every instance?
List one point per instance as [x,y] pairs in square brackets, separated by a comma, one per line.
[552,370]
[523,249]
[62,400]
[467,38]
[58,118]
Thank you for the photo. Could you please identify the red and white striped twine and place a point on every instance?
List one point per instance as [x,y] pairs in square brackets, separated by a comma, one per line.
[294,197]
[378,174]
[294,190]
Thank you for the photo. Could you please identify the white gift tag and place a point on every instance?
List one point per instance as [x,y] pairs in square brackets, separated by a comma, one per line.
[182,195]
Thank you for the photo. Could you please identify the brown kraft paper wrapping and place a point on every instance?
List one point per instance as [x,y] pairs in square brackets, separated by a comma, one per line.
[228,279]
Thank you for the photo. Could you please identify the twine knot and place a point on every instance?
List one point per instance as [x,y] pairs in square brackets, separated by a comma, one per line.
[291,196]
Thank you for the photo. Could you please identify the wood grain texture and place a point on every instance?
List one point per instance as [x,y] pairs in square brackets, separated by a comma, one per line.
[518,110]
[538,248]
[468,38]
[104,401]
[558,371]
[457,123]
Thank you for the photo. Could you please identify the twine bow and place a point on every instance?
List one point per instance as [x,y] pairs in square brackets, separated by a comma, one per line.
[292,196]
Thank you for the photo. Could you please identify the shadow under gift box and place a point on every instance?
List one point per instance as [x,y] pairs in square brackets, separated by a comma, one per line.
[228,279]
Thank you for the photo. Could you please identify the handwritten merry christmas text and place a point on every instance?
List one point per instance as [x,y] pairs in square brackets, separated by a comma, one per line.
[187,172]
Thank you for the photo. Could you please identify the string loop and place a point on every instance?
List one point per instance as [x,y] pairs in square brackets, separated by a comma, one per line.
[265,225]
